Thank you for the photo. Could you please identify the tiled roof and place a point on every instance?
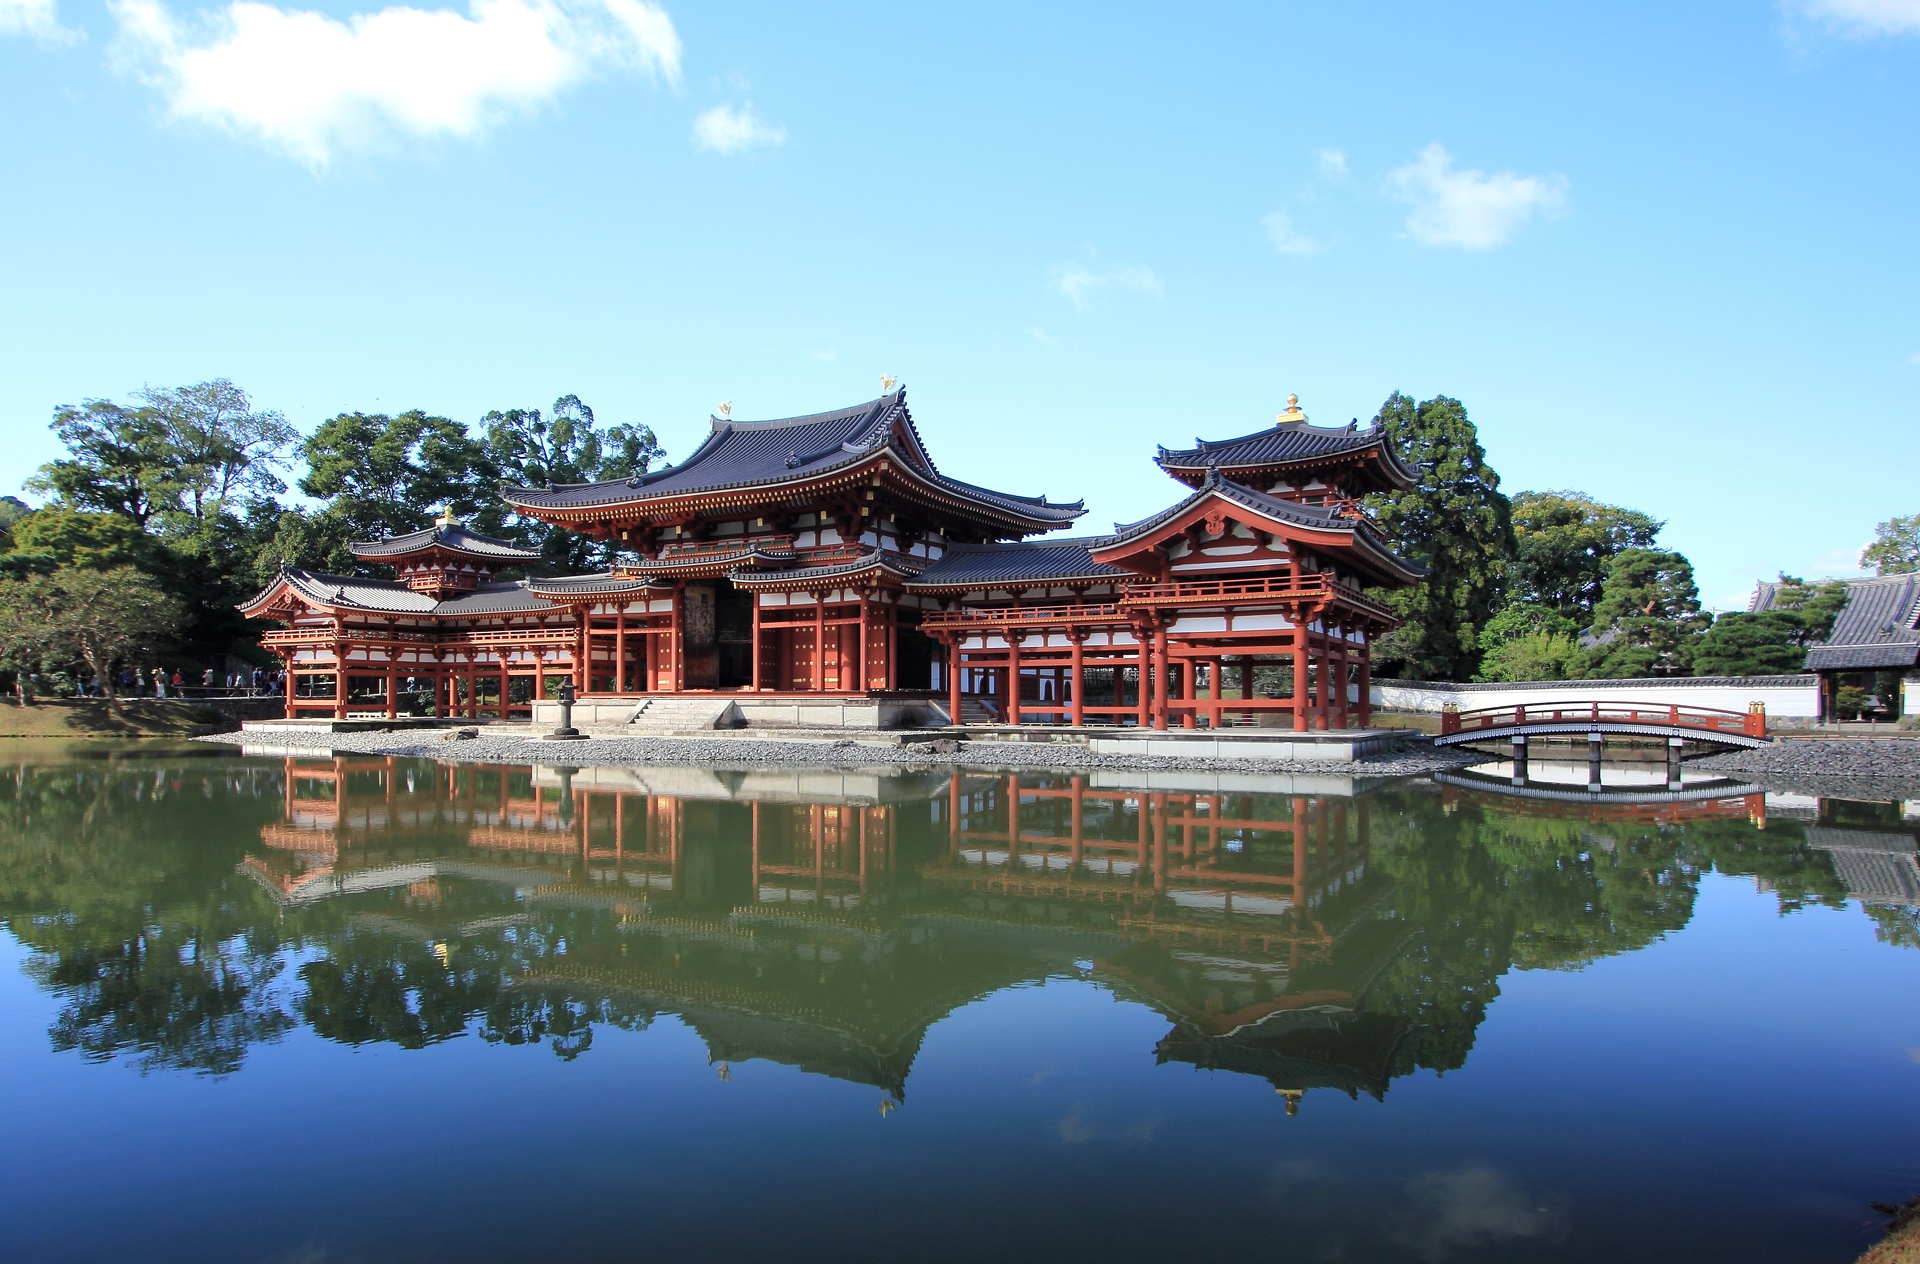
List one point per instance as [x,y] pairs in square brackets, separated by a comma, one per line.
[800,576]
[751,453]
[1288,443]
[1878,629]
[450,536]
[353,592]
[583,585]
[967,566]
[386,596]
[1366,537]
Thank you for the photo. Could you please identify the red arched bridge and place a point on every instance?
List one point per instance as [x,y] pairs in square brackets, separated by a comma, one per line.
[1596,720]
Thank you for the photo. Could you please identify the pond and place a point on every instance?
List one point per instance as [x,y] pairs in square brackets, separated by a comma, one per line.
[355,1008]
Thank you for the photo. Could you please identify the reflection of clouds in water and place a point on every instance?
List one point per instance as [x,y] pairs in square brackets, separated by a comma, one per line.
[1468,1208]
[1076,1129]
[1289,1178]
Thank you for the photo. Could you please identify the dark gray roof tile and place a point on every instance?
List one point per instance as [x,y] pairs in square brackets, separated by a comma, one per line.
[1876,631]
[969,566]
[450,536]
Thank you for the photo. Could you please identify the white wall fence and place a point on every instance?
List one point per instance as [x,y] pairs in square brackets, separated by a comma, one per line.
[1786,697]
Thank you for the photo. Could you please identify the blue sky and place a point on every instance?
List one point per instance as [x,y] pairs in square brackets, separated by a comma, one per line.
[1665,254]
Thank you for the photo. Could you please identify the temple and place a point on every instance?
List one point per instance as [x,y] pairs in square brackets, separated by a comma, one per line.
[828,557]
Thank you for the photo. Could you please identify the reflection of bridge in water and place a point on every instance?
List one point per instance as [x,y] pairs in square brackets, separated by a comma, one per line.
[827,919]
[1718,798]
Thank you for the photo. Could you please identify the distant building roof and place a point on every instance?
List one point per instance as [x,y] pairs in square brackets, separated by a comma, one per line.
[740,454]
[1879,628]
[386,596]
[976,566]
[1370,548]
[1293,442]
[450,536]
[1876,868]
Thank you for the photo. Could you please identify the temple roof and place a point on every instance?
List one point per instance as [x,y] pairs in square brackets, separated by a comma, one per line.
[1879,627]
[386,596]
[740,454]
[1289,443]
[450,536]
[971,566]
[800,576]
[1368,544]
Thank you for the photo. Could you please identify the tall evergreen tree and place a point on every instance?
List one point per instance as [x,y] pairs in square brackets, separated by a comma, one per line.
[1458,525]
[1564,542]
[1648,619]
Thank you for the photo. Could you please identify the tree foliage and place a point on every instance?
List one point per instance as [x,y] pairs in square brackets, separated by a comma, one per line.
[1527,642]
[1772,642]
[565,445]
[1646,621]
[1458,525]
[102,618]
[1896,547]
[1563,544]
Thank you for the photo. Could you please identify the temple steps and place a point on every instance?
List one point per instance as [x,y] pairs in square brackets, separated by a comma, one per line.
[974,711]
[682,715]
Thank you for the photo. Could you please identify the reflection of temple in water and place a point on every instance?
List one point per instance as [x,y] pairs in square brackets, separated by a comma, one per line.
[825,919]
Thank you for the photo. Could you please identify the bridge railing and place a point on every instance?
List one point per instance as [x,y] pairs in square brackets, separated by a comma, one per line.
[1750,723]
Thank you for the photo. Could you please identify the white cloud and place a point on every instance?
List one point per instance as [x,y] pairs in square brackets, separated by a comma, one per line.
[726,130]
[1040,336]
[310,85]
[1914,358]
[825,356]
[1470,209]
[1080,283]
[1862,17]
[1289,240]
[1331,163]
[35,19]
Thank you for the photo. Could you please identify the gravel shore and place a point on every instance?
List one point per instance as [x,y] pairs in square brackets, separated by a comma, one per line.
[752,752]
[1871,768]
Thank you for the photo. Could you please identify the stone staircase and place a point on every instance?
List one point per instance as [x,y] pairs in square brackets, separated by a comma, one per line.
[682,715]
[974,711]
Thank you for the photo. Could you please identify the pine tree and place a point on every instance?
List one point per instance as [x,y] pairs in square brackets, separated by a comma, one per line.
[1458,525]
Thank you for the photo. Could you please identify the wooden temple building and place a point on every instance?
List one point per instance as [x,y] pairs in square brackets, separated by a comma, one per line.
[827,555]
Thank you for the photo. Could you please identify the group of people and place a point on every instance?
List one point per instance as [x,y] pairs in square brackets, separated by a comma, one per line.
[158,682]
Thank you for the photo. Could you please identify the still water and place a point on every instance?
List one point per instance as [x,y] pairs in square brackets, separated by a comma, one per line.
[279,1009]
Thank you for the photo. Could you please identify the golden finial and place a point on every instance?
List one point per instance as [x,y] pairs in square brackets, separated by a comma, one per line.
[726,1072]
[1293,1096]
[886,382]
[886,1107]
[1293,412]
[725,410]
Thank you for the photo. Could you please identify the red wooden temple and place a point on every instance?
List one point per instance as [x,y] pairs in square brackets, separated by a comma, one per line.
[828,556]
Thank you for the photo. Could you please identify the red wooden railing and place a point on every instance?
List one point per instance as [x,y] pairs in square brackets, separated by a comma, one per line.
[1751,723]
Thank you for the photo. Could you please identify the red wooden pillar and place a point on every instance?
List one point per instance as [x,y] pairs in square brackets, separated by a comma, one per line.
[1077,716]
[1322,669]
[953,681]
[893,653]
[1013,676]
[1159,677]
[818,676]
[1190,691]
[755,650]
[860,648]
[393,688]
[620,650]
[339,680]
[1143,700]
[1300,671]
[1366,687]
[677,641]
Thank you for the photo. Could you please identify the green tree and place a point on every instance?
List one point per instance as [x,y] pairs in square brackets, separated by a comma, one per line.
[177,454]
[1457,524]
[101,618]
[118,461]
[72,537]
[1896,547]
[1646,621]
[1775,641]
[564,446]
[1563,543]
[387,475]
[1526,642]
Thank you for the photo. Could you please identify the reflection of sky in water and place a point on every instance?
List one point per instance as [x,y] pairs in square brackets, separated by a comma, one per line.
[1612,773]
[1490,1029]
